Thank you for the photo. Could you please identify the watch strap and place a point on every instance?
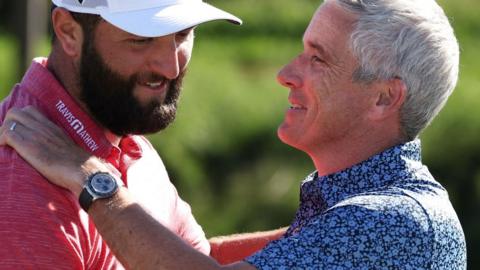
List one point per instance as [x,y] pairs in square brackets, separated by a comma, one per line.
[85,199]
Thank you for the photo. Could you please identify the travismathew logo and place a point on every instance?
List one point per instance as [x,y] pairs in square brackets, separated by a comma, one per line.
[77,125]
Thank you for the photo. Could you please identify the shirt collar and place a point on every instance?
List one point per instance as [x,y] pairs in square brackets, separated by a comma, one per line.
[383,169]
[63,109]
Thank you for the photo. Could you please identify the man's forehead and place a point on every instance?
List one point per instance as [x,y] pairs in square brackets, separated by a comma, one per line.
[331,17]
[329,30]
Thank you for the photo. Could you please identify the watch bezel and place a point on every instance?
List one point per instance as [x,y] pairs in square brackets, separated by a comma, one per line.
[89,194]
[96,194]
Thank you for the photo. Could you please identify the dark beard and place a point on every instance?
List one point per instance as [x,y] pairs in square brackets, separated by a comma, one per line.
[110,100]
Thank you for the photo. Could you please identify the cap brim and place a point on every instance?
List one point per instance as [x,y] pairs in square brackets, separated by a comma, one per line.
[156,22]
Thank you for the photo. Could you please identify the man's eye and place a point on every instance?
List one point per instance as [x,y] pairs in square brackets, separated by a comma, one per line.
[184,34]
[316,59]
[140,41]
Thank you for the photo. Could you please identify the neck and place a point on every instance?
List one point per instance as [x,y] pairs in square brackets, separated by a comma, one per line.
[112,138]
[341,155]
[67,73]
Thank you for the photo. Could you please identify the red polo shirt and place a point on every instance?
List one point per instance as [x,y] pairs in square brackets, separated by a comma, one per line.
[42,225]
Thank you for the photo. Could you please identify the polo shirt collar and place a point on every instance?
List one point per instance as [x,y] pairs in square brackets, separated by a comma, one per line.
[60,107]
[383,169]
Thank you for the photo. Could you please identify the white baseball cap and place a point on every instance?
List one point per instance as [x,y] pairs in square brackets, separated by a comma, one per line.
[150,18]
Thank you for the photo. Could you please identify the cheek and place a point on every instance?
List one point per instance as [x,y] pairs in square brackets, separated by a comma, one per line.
[331,104]
[121,61]
[320,93]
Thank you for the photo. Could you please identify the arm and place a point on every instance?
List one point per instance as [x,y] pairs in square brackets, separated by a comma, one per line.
[41,222]
[134,236]
[140,242]
[228,249]
[149,183]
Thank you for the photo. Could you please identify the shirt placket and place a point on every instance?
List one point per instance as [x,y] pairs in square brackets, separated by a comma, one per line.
[311,204]
[124,156]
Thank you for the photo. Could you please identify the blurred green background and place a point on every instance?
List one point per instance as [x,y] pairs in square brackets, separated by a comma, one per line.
[222,152]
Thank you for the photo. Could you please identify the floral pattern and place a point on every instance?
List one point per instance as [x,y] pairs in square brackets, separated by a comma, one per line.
[384,213]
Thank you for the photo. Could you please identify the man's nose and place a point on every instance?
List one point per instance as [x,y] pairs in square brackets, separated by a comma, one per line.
[164,57]
[289,75]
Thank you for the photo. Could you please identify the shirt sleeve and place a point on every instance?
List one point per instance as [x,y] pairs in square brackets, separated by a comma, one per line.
[189,229]
[150,183]
[42,226]
[355,236]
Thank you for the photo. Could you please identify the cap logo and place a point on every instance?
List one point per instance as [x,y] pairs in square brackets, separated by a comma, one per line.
[80,1]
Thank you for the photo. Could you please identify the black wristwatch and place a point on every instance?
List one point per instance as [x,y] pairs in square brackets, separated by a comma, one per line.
[99,185]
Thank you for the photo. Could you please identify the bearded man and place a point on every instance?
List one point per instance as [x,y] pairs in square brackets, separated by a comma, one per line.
[371,76]
[114,73]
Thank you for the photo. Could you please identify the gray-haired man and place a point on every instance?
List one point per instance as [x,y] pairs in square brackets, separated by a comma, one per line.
[371,77]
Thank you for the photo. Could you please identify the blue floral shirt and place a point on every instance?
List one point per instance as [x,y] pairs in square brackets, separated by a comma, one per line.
[384,213]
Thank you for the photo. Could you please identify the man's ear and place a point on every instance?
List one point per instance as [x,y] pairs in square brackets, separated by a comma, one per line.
[389,98]
[69,33]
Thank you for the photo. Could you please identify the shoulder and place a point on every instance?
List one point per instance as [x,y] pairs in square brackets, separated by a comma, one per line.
[383,219]
[359,232]
[382,205]
[21,182]
[35,213]
[143,142]
[18,98]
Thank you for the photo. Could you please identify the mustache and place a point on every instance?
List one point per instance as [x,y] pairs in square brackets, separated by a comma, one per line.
[150,77]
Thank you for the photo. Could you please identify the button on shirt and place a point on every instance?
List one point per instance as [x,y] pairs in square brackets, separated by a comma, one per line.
[384,213]
[42,225]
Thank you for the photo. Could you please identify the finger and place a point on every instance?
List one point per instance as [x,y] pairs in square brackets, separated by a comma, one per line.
[32,119]
[55,156]
[29,146]
[38,149]
[34,113]
[4,129]
[10,135]
[19,116]
[39,117]
[26,130]
[32,138]
[29,143]
[29,131]
[43,123]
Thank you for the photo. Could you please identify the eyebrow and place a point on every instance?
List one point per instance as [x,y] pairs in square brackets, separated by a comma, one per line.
[320,49]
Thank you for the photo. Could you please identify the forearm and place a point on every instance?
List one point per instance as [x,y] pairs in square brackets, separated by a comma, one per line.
[232,248]
[139,241]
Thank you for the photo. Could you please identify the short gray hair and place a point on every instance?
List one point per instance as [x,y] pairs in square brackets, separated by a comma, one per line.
[411,40]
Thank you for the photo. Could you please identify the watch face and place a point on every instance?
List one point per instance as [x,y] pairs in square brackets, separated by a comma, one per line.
[103,184]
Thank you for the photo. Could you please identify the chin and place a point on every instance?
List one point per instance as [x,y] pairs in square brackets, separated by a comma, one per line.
[291,136]
[285,136]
